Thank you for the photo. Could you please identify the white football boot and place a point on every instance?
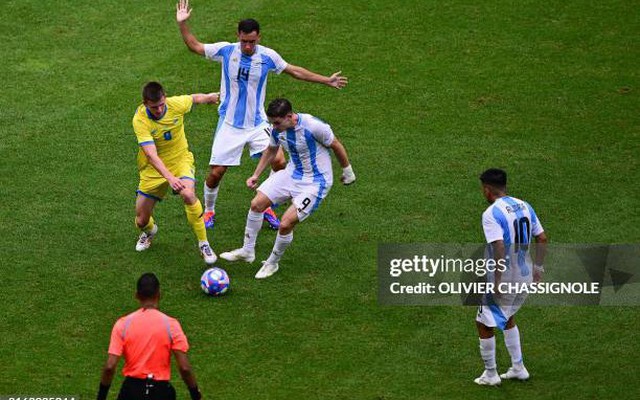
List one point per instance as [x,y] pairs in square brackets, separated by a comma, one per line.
[488,380]
[267,270]
[238,255]
[207,253]
[520,374]
[144,240]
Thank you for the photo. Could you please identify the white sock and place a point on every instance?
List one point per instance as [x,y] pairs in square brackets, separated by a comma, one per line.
[281,244]
[488,354]
[512,341]
[251,230]
[210,197]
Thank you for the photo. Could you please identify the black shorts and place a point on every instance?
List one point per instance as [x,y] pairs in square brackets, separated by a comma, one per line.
[145,389]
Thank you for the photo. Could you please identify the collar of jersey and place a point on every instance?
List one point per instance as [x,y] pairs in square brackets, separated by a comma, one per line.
[151,117]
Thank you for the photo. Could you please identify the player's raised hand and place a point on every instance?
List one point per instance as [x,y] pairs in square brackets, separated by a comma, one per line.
[338,81]
[252,182]
[183,12]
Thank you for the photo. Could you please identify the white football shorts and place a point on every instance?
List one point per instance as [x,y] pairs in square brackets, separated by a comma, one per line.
[305,196]
[229,142]
[496,315]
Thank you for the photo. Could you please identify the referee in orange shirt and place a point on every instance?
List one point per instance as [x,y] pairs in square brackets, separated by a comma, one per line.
[146,338]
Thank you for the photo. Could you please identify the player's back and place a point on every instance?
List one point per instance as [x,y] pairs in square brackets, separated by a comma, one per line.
[514,222]
[147,338]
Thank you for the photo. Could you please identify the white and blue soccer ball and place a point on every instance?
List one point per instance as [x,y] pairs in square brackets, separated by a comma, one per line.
[215,281]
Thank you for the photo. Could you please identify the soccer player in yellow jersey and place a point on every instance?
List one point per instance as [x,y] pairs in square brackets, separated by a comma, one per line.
[164,161]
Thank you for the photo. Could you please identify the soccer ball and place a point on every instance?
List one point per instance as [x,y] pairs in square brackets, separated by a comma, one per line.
[215,281]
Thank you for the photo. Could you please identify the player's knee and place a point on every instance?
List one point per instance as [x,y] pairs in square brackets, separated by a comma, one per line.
[189,196]
[215,176]
[278,163]
[258,206]
[286,227]
[142,220]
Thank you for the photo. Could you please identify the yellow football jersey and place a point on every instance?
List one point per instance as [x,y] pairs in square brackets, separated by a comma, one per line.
[167,133]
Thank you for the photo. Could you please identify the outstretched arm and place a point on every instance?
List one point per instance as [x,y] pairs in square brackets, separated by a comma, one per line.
[348,176]
[183,12]
[209,98]
[335,81]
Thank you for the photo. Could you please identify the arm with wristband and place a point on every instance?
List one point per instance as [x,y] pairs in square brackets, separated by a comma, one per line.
[108,372]
[348,176]
[186,372]
[541,252]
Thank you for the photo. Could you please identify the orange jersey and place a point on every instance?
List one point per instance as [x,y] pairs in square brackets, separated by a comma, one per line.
[146,338]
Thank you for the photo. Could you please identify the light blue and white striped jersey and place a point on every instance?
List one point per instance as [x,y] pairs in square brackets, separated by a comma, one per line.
[515,222]
[243,81]
[308,146]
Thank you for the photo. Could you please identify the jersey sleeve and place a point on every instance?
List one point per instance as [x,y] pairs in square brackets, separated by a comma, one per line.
[276,62]
[274,139]
[181,104]
[213,51]
[536,226]
[143,134]
[178,338]
[323,133]
[116,343]
[491,227]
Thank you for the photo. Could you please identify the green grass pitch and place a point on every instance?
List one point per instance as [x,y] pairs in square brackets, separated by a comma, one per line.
[439,91]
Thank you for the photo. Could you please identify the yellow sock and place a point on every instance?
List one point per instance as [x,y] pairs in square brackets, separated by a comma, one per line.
[194,216]
[147,227]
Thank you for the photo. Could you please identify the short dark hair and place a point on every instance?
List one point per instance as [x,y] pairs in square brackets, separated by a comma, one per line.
[148,286]
[152,91]
[494,177]
[279,108]
[248,25]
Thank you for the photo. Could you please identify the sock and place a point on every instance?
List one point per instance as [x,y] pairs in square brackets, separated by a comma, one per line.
[488,354]
[251,230]
[281,244]
[147,228]
[512,341]
[210,197]
[194,216]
